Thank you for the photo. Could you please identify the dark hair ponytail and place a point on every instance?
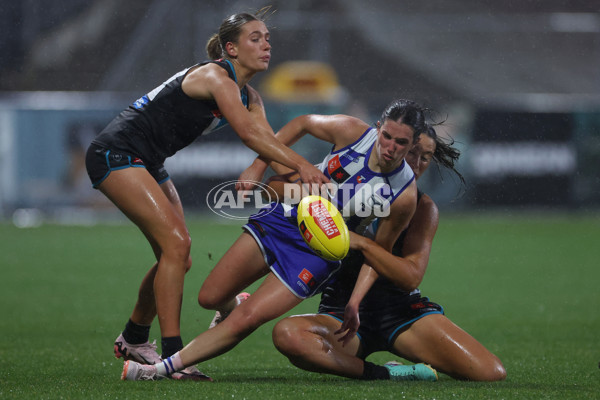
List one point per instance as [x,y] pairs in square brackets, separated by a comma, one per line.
[445,153]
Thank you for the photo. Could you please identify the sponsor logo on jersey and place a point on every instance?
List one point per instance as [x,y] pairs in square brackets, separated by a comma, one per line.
[141,102]
[217,113]
[306,277]
[337,173]
[424,306]
[351,157]
[333,164]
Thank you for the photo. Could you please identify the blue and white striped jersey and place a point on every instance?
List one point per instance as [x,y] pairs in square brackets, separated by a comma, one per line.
[362,194]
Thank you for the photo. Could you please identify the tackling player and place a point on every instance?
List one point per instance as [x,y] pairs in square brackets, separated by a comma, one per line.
[125,162]
[393,315]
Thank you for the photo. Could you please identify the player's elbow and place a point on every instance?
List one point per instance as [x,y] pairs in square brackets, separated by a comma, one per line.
[250,136]
[409,280]
[407,284]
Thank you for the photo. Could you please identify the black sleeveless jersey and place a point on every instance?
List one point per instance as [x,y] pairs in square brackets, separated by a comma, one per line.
[165,120]
[383,292]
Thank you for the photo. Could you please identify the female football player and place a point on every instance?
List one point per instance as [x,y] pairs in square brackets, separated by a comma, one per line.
[125,162]
[362,158]
[393,315]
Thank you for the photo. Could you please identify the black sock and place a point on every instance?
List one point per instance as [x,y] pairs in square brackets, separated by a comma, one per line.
[374,372]
[171,345]
[136,334]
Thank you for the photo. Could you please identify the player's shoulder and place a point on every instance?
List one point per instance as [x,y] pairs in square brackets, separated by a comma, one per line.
[426,207]
[346,129]
[406,199]
[349,122]
[425,201]
[206,78]
[213,69]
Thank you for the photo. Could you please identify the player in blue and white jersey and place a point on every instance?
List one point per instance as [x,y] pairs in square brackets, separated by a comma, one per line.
[125,162]
[393,314]
[373,181]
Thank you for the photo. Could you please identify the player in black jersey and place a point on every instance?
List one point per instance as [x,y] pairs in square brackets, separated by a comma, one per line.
[125,162]
[393,315]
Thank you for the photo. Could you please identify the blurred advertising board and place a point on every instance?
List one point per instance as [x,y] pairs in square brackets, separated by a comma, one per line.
[522,158]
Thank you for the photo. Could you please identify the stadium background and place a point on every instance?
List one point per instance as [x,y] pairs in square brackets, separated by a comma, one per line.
[516,82]
[514,262]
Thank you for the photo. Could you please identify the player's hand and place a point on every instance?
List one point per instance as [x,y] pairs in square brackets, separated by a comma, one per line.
[356,240]
[290,177]
[350,324]
[311,175]
[249,178]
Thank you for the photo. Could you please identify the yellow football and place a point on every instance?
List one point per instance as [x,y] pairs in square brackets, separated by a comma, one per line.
[323,228]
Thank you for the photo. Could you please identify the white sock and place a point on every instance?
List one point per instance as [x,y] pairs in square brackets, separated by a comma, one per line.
[169,365]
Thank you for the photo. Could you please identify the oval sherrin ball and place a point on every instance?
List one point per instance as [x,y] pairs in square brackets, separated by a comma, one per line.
[323,228]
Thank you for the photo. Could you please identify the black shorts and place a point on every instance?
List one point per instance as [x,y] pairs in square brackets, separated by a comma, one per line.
[100,161]
[379,329]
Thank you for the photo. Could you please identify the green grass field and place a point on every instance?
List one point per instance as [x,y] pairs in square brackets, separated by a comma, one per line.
[527,288]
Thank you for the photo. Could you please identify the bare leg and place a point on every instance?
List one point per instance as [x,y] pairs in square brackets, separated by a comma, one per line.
[435,340]
[271,300]
[145,203]
[309,342]
[145,307]
[242,265]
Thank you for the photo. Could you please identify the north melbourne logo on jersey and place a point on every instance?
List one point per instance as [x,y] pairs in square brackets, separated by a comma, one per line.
[337,173]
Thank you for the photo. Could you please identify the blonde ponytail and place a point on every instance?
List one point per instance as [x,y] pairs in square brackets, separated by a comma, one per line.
[213,47]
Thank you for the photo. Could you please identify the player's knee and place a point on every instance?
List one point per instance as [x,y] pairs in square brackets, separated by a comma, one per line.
[495,371]
[213,297]
[178,248]
[489,370]
[188,264]
[184,243]
[289,337]
[241,324]
[284,337]
[209,299]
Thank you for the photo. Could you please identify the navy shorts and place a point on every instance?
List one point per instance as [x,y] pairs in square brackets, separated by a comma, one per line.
[100,161]
[379,328]
[287,255]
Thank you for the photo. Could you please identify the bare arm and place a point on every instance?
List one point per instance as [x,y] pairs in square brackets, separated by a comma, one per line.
[378,252]
[341,130]
[406,272]
[211,81]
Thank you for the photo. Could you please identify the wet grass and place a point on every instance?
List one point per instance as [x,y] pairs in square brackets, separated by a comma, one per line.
[527,288]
